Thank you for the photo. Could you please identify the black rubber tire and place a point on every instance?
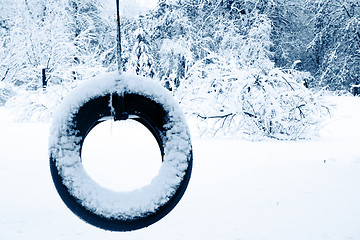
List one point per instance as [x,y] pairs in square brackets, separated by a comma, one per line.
[149,113]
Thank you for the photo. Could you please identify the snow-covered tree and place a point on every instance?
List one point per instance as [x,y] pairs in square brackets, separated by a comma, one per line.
[336,44]
[255,51]
[36,41]
[172,41]
[43,40]
[142,61]
[7,12]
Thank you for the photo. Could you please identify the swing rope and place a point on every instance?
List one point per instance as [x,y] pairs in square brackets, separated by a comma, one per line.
[118,47]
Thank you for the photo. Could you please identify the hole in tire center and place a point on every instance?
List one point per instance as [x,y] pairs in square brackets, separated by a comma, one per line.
[121,155]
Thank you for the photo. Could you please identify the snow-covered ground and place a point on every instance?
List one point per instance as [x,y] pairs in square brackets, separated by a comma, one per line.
[239,190]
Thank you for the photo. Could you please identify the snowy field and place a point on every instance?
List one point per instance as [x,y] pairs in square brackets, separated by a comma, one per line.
[240,190]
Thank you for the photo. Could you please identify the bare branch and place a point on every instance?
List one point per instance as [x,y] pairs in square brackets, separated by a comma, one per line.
[346,10]
[213,117]
[7,71]
[289,84]
[250,114]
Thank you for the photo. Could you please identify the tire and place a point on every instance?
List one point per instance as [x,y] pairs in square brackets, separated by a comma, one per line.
[120,97]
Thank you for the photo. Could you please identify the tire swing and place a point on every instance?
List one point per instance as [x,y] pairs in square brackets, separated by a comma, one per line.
[120,97]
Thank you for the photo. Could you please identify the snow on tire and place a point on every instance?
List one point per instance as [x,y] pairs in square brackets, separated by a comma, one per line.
[120,97]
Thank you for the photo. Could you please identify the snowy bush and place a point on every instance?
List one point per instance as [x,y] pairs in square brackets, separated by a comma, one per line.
[37,105]
[6,92]
[231,102]
[243,93]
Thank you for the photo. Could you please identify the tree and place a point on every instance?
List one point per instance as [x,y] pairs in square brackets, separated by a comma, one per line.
[336,44]
[44,36]
[171,40]
[89,26]
[142,61]
[7,11]
[37,40]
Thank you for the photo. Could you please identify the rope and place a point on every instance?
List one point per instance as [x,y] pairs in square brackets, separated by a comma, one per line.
[118,47]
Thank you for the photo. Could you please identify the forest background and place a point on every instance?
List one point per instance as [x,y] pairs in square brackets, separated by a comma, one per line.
[250,68]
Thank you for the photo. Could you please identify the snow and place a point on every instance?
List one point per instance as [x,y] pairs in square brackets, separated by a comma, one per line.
[240,190]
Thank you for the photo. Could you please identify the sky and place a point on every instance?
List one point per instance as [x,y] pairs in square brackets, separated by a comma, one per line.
[133,7]
[146,3]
